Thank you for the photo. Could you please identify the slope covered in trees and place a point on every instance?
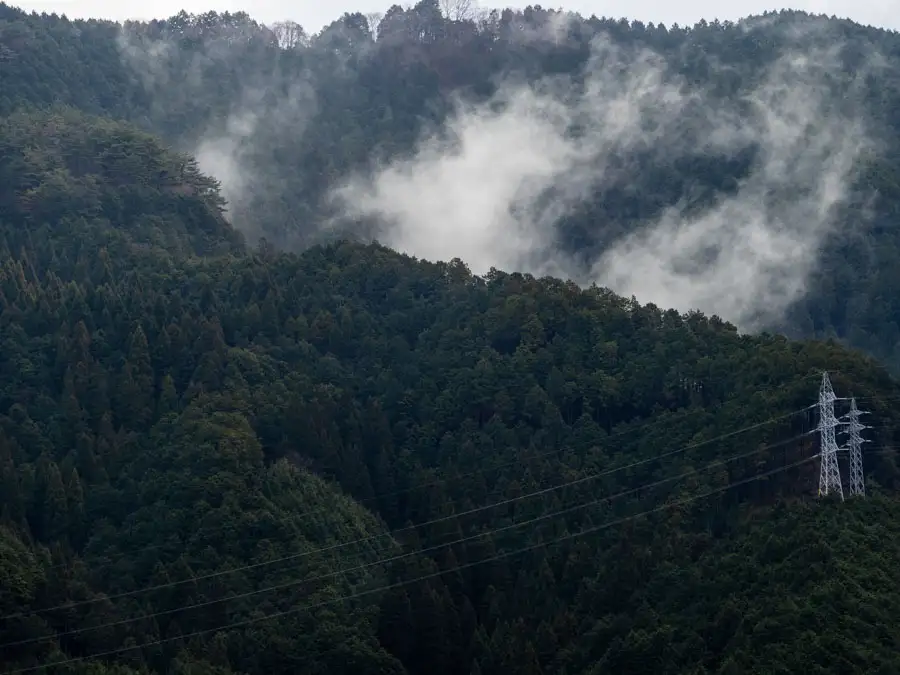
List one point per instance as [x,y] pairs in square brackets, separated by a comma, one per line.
[244,463]
[167,431]
[282,117]
[67,178]
[346,460]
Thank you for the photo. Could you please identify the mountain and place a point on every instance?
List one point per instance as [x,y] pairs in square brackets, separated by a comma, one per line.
[69,178]
[176,441]
[222,459]
[763,151]
[174,430]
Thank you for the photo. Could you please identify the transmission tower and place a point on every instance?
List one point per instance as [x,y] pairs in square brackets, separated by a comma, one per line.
[857,482]
[829,473]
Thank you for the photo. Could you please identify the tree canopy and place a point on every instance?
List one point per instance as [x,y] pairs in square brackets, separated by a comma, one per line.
[218,456]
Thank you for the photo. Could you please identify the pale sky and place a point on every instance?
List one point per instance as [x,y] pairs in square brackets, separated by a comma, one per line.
[313,14]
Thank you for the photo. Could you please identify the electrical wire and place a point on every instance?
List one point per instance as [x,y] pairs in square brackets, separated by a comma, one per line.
[406,582]
[294,519]
[474,510]
[439,481]
[409,554]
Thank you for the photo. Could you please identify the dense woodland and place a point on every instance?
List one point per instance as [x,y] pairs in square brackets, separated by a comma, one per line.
[301,111]
[219,457]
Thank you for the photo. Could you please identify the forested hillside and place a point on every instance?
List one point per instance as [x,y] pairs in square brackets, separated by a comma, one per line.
[351,461]
[783,217]
[218,458]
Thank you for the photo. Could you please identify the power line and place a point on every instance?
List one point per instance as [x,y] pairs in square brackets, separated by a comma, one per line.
[299,518]
[409,554]
[435,521]
[406,582]
[443,480]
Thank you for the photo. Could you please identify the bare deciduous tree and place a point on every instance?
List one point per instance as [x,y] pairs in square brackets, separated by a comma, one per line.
[459,10]
[374,20]
[290,35]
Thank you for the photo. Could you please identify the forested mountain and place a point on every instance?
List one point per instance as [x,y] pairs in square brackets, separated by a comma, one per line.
[218,458]
[801,193]
[165,424]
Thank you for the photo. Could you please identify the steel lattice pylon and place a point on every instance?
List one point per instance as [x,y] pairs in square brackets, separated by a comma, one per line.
[829,472]
[857,480]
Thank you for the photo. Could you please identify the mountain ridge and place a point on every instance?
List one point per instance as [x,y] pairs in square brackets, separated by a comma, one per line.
[283,119]
[225,459]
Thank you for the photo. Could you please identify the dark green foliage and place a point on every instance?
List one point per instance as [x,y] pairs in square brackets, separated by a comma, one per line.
[171,450]
[195,436]
[310,109]
[67,177]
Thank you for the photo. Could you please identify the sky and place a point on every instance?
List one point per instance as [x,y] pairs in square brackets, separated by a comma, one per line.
[314,14]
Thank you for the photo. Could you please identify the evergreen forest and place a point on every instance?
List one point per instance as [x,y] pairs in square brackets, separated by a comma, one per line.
[243,434]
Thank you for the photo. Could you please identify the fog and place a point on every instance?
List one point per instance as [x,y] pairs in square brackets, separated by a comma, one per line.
[237,148]
[492,184]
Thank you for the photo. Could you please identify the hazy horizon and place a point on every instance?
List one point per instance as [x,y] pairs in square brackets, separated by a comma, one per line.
[313,16]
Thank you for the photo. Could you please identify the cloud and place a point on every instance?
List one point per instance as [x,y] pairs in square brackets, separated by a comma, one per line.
[493,185]
[748,257]
[220,152]
[490,186]
[234,127]
[150,60]
[240,150]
